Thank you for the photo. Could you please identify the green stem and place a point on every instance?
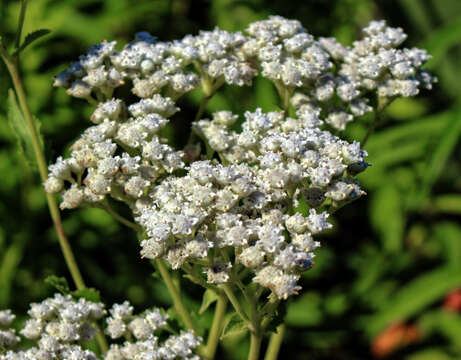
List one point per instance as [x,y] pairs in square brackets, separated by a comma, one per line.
[12,64]
[255,346]
[175,294]
[234,301]
[216,327]
[43,170]
[274,343]
[209,89]
[106,207]
[102,342]
[382,104]
[285,95]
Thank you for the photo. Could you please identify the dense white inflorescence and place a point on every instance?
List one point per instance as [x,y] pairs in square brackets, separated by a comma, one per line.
[262,193]
[61,325]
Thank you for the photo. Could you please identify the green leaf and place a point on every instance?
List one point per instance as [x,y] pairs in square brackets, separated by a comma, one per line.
[424,128]
[8,266]
[387,217]
[265,94]
[447,203]
[59,283]
[441,40]
[89,294]
[430,354]
[414,297]
[445,146]
[406,108]
[305,310]
[209,297]
[446,323]
[449,235]
[19,127]
[336,304]
[30,38]
[233,325]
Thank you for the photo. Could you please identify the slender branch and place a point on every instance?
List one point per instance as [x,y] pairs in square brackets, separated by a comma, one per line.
[382,104]
[274,343]
[106,207]
[255,346]
[209,89]
[234,301]
[175,294]
[216,327]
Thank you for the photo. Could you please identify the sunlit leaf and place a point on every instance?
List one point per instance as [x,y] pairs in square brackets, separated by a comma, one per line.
[414,296]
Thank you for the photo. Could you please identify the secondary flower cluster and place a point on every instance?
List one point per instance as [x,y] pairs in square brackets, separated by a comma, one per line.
[8,337]
[61,325]
[109,169]
[241,203]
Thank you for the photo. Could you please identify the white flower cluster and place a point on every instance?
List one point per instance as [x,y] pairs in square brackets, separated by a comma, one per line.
[8,337]
[100,161]
[338,80]
[272,163]
[122,323]
[61,325]
[240,206]
[155,67]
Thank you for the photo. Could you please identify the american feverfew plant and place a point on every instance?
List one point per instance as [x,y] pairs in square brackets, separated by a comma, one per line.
[239,209]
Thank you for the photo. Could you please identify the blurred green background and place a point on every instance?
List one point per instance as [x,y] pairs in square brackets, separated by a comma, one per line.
[385,281]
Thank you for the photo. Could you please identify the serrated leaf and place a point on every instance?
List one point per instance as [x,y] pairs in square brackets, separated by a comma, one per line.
[89,294]
[414,297]
[209,297]
[19,127]
[30,38]
[59,283]
[233,325]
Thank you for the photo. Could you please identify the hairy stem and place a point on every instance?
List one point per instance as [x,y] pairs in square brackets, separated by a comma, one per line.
[274,343]
[216,327]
